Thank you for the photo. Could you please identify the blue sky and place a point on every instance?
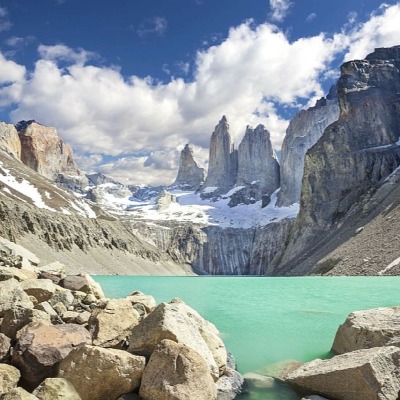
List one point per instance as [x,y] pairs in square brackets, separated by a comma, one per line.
[127,83]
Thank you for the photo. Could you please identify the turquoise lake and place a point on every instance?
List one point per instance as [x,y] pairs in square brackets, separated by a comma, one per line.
[264,321]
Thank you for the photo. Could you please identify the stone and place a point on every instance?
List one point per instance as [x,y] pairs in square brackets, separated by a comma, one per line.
[190,175]
[56,389]
[70,317]
[304,130]
[9,377]
[84,284]
[60,308]
[63,296]
[42,289]
[229,385]
[5,274]
[174,372]
[47,308]
[112,321]
[184,325]
[12,295]
[139,298]
[28,258]
[257,162]
[44,151]
[40,347]
[18,394]
[16,318]
[165,200]
[367,374]
[83,317]
[368,328]
[102,374]
[5,345]
[9,140]
[222,167]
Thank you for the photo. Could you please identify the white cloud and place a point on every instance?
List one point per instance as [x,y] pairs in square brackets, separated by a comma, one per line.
[254,72]
[153,26]
[5,23]
[311,17]
[279,9]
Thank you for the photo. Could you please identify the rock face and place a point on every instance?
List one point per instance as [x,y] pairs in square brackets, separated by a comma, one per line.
[355,154]
[370,374]
[175,371]
[303,132]
[45,152]
[257,161]
[222,169]
[190,175]
[9,140]
[368,328]
[102,374]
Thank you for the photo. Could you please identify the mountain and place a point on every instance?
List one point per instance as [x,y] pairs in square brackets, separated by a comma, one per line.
[190,175]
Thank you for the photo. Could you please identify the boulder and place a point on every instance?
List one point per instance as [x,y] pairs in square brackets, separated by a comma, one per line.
[46,307]
[9,377]
[5,344]
[62,295]
[56,269]
[19,394]
[139,298]
[20,274]
[112,321]
[184,325]
[83,318]
[40,348]
[229,385]
[12,295]
[16,318]
[70,316]
[102,374]
[367,374]
[42,289]
[56,389]
[5,274]
[368,328]
[176,372]
[83,283]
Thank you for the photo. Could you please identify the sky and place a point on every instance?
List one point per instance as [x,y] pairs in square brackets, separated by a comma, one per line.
[127,83]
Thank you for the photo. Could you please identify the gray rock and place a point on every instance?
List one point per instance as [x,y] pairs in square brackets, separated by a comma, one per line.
[190,175]
[257,162]
[41,289]
[368,328]
[369,374]
[222,167]
[303,132]
[229,385]
[12,295]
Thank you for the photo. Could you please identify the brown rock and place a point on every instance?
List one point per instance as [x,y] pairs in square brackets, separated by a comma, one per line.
[9,377]
[42,289]
[41,347]
[184,325]
[369,374]
[56,389]
[102,374]
[112,321]
[12,295]
[44,151]
[368,328]
[176,372]
[84,284]
[83,318]
[16,318]
[5,344]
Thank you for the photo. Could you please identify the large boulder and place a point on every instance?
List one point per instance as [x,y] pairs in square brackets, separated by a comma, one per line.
[56,389]
[9,377]
[41,289]
[111,322]
[18,317]
[176,372]
[40,348]
[370,374]
[83,283]
[147,301]
[19,394]
[102,374]
[5,345]
[182,324]
[368,328]
[12,295]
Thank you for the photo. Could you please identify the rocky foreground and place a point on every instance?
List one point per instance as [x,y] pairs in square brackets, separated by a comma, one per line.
[367,364]
[61,338]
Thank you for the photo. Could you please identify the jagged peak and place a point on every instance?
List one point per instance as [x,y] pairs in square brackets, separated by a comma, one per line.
[385,53]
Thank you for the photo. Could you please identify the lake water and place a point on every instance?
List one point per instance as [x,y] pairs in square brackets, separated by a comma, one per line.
[264,321]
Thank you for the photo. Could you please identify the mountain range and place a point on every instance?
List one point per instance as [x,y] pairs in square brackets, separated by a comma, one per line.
[328,206]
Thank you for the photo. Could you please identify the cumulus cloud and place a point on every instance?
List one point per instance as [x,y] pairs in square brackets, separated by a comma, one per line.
[250,76]
[153,26]
[279,9]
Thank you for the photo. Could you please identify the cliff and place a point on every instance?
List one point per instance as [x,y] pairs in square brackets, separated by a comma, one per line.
[190,175]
